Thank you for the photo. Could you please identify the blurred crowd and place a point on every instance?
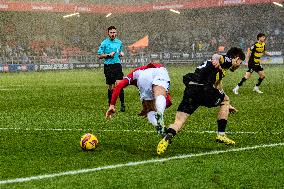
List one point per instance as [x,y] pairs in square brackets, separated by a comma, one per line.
[29,36]
[184,43]
[43,51]
[274,43]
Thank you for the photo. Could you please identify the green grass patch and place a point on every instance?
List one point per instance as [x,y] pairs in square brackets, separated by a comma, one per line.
[34,105]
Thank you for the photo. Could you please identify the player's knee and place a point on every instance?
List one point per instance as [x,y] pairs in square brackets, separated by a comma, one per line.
[247,76]
[159,90]
[262,77]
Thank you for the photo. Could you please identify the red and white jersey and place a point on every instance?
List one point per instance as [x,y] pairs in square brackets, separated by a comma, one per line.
[147,78]
[129,80]
[130,76]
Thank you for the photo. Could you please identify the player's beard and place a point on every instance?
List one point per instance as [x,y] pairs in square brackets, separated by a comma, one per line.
[112,37]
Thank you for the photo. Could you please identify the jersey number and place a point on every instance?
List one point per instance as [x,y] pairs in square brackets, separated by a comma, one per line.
[202,65]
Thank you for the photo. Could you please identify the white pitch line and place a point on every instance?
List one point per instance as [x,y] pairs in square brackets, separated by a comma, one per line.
[200,132]
[12,85]
[131,164]
[127,130]
[8,89]
[40,129]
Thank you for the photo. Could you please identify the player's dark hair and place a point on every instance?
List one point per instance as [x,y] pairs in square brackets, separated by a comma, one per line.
[236,52]
[111,28]
[260,35]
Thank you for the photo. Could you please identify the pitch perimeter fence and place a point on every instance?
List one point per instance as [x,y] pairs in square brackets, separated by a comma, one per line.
[18,64]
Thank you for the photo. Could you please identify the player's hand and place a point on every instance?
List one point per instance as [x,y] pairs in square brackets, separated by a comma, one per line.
[110,111]
[111,54]
[121,54]
[269,54]
[232,109]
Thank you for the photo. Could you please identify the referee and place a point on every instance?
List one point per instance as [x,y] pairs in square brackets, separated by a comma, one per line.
[111,49]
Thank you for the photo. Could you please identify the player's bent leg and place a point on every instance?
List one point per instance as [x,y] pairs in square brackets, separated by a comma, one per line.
[222,122]
[160,123]
[149,109]
[259,81]
[261,74]
[152,117]
[248,74]
[246,77]
[160,94]
[164,143]
[180,119]
[160,104]
[159,90]
[224,108]
[171,132]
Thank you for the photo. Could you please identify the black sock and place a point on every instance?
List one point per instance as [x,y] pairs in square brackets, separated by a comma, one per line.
[259,81]
[170,133]
[109,94]
[222,123]
[121,97]
[242,81]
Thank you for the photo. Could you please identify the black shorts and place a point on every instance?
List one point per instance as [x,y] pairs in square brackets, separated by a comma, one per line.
[252,67]
[200,95]
[112,73]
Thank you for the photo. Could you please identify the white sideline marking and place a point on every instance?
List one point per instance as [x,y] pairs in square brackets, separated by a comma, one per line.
[131,164]
[13,85]
[126,130]
[39,129]
[8,89]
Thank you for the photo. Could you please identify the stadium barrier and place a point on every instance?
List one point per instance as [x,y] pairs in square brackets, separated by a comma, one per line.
[91,61]
[277,58]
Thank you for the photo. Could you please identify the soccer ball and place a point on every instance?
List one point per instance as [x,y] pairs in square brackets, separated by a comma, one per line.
[89,141]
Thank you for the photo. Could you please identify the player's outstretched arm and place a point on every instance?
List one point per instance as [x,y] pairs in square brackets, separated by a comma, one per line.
[232,109]
[116,90]
[248,55]
[268,54]
[110,111]
[115,93]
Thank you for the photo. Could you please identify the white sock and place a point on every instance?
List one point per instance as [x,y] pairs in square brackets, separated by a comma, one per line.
[160,102]
[152,118]
[221,133]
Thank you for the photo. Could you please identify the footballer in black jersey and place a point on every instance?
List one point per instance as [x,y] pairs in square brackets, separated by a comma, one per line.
[253,61]
[204,88]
